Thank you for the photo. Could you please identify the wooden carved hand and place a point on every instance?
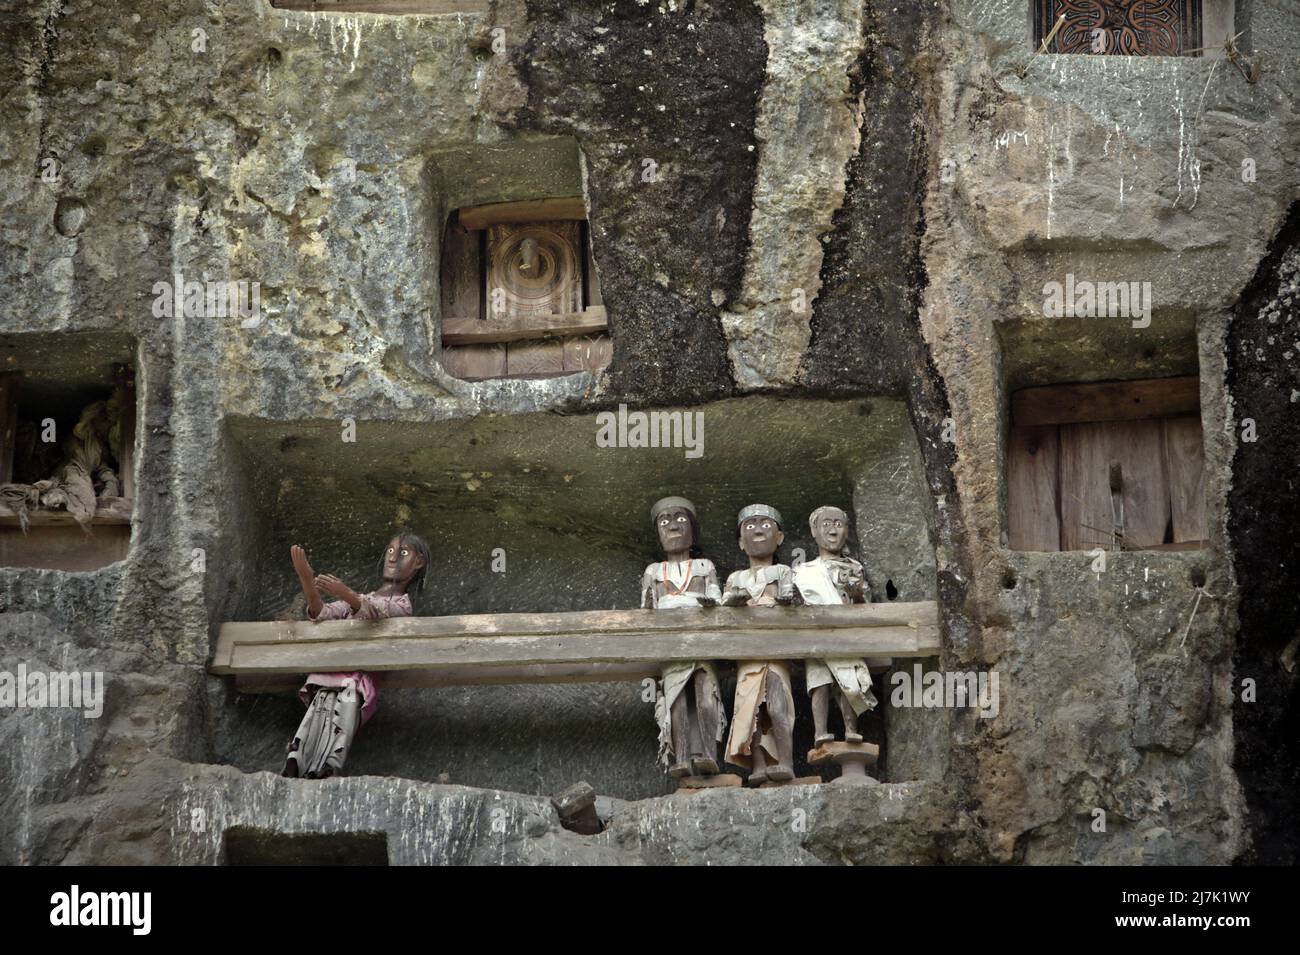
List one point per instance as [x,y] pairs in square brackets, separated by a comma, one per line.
[307,578]
[735,597]
[300,564]
[339,590]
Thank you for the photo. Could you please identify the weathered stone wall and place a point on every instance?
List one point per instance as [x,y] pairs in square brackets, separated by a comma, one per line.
[885,160]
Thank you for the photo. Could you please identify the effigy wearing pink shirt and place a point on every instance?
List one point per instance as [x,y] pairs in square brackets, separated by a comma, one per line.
[373,607]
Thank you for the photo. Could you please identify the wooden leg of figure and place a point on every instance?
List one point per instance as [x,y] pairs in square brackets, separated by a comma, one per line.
[680,717]
[762,726]
[778,711]
[821,705]
[320,747]
[704,760]
[692,749]
[758,762]
[851,734]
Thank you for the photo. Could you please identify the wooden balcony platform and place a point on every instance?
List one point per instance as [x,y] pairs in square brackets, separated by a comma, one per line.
[592,646]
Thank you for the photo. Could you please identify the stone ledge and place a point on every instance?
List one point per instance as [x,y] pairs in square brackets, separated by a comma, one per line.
[435,824]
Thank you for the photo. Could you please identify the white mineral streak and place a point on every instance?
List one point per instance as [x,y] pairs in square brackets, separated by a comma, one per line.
[1119,159]
[1051,175]
[799,186]
[1183,145]
[346,32]
[1090,84]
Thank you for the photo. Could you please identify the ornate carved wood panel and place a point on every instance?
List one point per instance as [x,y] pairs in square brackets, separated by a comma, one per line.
[520,294]
[1128,27]
[534,270]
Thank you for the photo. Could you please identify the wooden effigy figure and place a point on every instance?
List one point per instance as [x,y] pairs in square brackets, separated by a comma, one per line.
[688,706]
[339,704]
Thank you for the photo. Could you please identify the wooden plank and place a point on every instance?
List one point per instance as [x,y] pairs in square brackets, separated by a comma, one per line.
[1088,452]
[525,359]
[1033,488]
[108,510]
[587,353]
[1106,401]
[419,653]
[1185,468]
[475,362]
[473,676]
[601,645]
[462,276]
[916,615]
[8,425]
[473,331]
[430,7]
[529,210]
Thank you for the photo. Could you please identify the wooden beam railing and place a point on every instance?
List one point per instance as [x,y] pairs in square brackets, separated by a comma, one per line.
[108,510]
[524,210]
[514,328]
[583,646]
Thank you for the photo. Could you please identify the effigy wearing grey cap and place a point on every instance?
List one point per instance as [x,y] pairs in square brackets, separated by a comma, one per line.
[759,510]
[667,504]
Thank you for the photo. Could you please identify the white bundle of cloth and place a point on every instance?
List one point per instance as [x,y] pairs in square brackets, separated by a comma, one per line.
[84,476]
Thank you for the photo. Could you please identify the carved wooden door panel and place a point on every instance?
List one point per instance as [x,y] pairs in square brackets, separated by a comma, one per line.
[1109,464]
[520,294]
[1120,27]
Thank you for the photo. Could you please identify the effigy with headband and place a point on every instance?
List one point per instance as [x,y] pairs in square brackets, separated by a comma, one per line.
[759,510]
[671,503]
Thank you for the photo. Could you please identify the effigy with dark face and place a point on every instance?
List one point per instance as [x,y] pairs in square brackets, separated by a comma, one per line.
[834,578]
[688,706]
[339,704]
[762,727]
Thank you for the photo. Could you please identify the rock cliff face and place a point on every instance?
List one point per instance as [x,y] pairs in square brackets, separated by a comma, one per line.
[825,224]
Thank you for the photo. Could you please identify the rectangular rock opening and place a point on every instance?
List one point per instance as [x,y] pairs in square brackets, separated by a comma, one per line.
[67,450]
[243,845]
[526,513]
[520,293]
[1151,28]
[1103,456]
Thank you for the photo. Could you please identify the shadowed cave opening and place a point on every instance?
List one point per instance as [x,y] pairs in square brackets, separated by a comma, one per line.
[242,845]
[1103,436]
[47,383]
[571,521]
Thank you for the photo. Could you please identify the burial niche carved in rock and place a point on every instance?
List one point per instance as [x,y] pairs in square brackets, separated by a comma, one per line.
[520,295]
